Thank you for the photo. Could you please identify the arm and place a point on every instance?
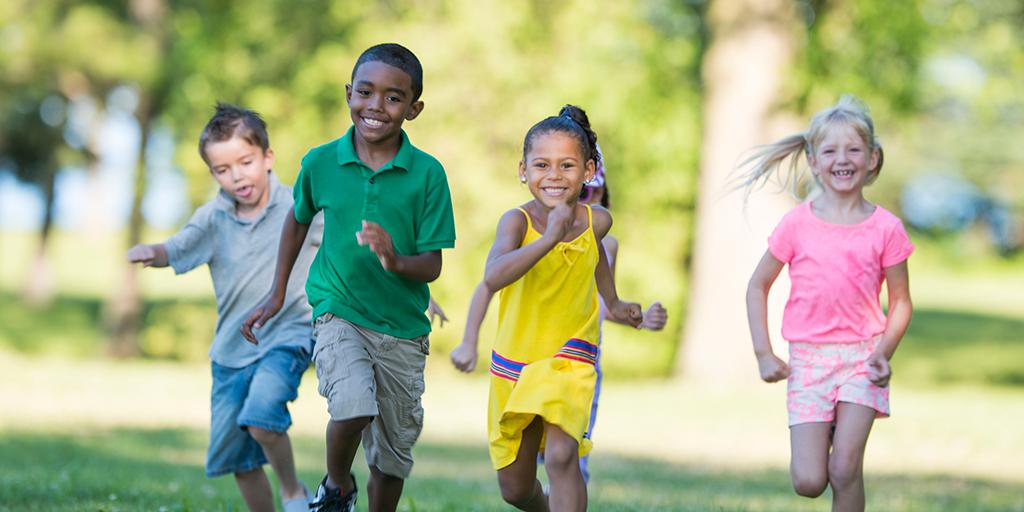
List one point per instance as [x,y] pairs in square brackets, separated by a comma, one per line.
[152,255]
[508,261]
[900,310]
[293,233]
[656,316]
[424,267]
[627,313]
[771,367]
[465,355]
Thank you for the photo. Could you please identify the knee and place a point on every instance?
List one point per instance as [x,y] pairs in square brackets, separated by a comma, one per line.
[809,486]
[351,427]
[517,494]
[843,471]
[263,436]
[559,455]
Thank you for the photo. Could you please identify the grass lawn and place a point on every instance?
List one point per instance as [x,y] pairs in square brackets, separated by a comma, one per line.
[82,432]
[102,435]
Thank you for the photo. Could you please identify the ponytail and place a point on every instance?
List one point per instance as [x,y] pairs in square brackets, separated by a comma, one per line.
[767,161]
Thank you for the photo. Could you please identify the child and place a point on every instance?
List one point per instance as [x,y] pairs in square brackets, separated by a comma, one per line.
[235,234]
[544,261]
[839,248]
[464,356]
[369,291]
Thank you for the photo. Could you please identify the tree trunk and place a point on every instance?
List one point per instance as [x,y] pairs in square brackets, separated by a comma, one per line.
[124,310]
[751,46]
[39,287]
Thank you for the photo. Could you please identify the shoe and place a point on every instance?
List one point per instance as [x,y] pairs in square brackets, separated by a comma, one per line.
[331,500]
[300,504]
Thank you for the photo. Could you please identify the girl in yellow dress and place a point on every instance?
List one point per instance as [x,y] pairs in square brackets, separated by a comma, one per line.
[549,266]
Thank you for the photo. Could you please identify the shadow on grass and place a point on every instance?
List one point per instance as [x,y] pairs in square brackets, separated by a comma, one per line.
[128,469]
[946,347]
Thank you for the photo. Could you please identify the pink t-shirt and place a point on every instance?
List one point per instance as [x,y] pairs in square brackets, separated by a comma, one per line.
[836,272]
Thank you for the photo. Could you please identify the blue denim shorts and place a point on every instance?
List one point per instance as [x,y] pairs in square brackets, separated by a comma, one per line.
[256,395]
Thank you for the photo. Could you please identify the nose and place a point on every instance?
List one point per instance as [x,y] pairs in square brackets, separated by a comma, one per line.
[236,173]
[377,102]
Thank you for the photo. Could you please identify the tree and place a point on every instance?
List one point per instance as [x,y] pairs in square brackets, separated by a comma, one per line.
[752,44]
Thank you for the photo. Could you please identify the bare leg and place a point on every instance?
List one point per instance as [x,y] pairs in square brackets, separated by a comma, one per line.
[561,459]
[342,442]
[384,491]
[518,481]
[255,490]
[846,463]
[278,448]
[808,466]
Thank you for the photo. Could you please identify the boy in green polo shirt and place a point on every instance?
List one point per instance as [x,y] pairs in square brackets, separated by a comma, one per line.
[387,215]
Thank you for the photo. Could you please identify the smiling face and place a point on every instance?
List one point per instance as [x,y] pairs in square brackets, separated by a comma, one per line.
[241,169]
[555,168]
[842,161]
[380,99]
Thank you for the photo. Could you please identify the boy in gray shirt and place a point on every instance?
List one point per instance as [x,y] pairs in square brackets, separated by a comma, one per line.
[236,234]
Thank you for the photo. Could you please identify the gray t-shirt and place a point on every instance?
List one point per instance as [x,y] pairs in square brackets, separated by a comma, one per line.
[242,256]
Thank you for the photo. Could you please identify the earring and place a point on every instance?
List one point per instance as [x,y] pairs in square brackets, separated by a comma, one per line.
[522,179]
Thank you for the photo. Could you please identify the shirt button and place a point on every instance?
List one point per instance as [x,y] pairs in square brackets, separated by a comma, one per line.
[371,181]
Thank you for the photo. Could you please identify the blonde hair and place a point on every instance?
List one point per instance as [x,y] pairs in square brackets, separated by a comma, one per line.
[766,162]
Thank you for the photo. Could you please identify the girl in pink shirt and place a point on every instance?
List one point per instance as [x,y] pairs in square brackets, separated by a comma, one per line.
[840,248]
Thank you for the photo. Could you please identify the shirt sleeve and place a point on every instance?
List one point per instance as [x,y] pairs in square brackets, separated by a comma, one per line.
[305,205]
[780,242]
[436,229]
[897,245]
[192,246]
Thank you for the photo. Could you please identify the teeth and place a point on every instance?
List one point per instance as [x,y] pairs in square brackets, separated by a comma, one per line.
[373,123]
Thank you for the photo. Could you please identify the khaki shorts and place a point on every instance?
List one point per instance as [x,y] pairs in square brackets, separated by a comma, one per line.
[366,373]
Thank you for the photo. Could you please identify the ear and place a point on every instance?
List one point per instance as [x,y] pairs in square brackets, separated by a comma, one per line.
[876,160]
[268,157]
[348,93]
[522,171]
[414,110]
[590,170]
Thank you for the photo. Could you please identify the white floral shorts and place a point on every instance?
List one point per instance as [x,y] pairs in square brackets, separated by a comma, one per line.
[824,374]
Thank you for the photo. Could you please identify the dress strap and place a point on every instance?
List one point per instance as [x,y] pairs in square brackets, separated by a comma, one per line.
[529,223]
[590,219]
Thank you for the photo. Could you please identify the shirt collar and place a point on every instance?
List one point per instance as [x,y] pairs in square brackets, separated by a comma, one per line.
[347,152]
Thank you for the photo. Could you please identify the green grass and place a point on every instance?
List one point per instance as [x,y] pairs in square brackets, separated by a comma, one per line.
[161,469]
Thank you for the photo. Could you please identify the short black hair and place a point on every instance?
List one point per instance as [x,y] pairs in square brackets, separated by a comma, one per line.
[396,55]
[233,121]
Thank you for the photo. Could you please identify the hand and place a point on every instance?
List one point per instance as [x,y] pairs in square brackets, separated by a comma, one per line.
[772,368]
[560,220]
[380,243]
[879,370]
[464,357]
[435,312]
[626,313]
[654,318]
[258,317]
[142,253]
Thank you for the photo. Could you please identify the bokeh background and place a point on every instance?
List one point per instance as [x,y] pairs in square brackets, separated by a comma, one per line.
[103,372]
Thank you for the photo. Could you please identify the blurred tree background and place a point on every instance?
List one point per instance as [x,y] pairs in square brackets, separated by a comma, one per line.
[940,76]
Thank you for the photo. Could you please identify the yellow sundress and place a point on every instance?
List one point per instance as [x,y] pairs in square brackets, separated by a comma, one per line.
[546,347]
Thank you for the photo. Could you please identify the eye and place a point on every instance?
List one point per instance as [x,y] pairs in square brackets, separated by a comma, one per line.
[246,162]
[394,99]
[362,92]
[541,165]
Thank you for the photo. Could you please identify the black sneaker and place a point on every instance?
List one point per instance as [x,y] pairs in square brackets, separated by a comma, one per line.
[331,500]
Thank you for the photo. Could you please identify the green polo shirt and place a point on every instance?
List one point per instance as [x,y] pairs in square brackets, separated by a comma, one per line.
[408,197]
